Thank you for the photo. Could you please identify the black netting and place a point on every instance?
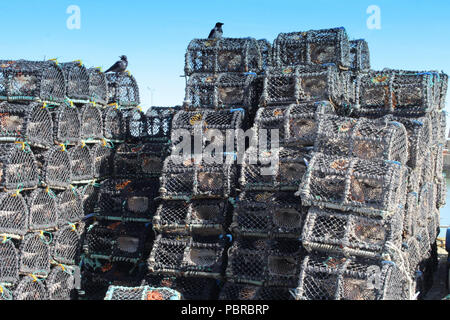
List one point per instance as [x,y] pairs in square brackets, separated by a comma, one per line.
[312,47]
[99,239]
[66,244]
[359,55]
[265,47]
[237,291]
[35,254]
[43,209]
[31,288]
[31,80]
[89,196]
[55,167]
[18,167]
[98,86]
[141,293]
[9,268]
[66,124]
[122,89]
[159,123]
[113,124]
[14,214]
[135,124]
[69,207]
[101,160]
[91,122]
[77,80]
[81,163]
[223,55]
[60,283]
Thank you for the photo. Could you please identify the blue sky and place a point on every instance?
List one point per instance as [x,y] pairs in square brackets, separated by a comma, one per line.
[154,34]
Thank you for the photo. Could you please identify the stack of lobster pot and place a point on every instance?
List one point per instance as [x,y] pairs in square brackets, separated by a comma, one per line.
[41,214]
[199,179]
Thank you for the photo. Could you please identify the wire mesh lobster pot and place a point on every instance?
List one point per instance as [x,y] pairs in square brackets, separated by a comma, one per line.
[350,234]
[81,163]
[413,256]
[397,92]
[89,197]
[239,291]
[159,123]
[31,80]
[131,241]
[60,283]
[279,169]
[9,255]
[441,195]
[30,289]
[55,167]
[268,214]
[98,240]
[139,160]
[443,90]
[102,156]
[14,215]
[18,169]
[223,55]
[35,254]
[424,242]
[182,217]
[438,127]
[373,188]
[411,214]
[220,91]
[362,138]
[66,124]
[98,86]
[296,123]
[29,121]
[141,293]
[188,180]
[123,89]
[305,84]
[185,257]
[265,47]
[69,207]
[135,124]
[359,55]
[66,244]
[438,155]
[113,124]
[77,80]
[428,167]
[91,122]
[426,204]
[325,277]
[43,210]
[265,262]
[312,47]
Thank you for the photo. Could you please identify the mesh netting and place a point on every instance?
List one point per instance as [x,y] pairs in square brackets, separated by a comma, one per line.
[186,257]
[411,214]
[55,167]
[159,123]
[69,207]
[31,80]
[438,155]
[28,121]
[265,47]
[14,214]
[18,169]
[237,291]
[99,239]
[77,80]
[438,121]
[223,55]
[9,268]
[374,188]
[60,283]
[325,277]
[362,138]
[66,124]
[359,55]
[98,86]
[268,214]
[91,122]
[265,262]
[81,163]
[222,90]
[113,124]
[65,247]
[135,124]
[101,160]
[89,197]
[443,90]
[43,210]
[122,89]
[30,288]
[141,293]
[35,254]
[197,215]
[428,166]
[312,47]
[441,195]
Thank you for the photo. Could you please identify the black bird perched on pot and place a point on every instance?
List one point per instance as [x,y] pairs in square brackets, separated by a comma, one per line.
[216,32]
[119,66]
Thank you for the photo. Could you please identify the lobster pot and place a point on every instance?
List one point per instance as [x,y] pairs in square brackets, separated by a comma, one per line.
[299,84]
[239,291]
[113,124]
[98,86]
[312,47]
[60,283]
[441,195]
[43,210]
[35,254]
[359,55]
[362,138]
[23,80]
[139,160]
[412,254]
[69,207]
[426,205]
[65,247]
[265,262]
[279,169]
[395,92]
[374,188]
[31,121]
[438,127]
[14,215]
[98,240]
[30,289]
[77,80]
[81,163]
[141,293]
[122,89]
[443,90]
[201,216]
[424,241]
[18,167]
[55,167]
[352,235]
[9,269]
[159,123]
[223,55]
[185,257]
[135,124]
[182,180]
[434,226]
[89,197]
[66,124]
[91,122]
[220,91]
[268,214]
[101,160]
[325,277]
[265,48]
[415,179]
[411,214]
[296,124]
[428,167]
[438,155]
